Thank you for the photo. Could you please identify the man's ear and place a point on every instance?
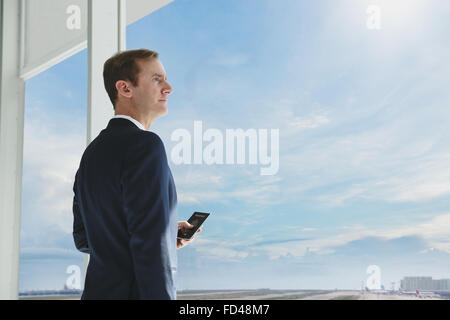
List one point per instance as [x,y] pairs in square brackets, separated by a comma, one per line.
[123,88]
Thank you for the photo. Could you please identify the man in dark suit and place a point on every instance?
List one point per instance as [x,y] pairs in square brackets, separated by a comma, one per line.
[125,199]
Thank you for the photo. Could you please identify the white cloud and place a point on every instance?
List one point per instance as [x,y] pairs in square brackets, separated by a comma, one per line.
[229,59]
[309,123]
[394,180]
[323,241]
[220,250]
[434,231]
[204,184]
[421,182]
[50,161]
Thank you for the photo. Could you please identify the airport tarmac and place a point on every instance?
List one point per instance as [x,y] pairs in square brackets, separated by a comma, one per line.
[268,294]
[302,295]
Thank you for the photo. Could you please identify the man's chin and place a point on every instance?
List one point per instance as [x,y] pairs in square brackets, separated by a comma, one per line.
[159,111]
[163,112]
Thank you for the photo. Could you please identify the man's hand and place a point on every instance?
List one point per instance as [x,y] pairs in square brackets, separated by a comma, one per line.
[182,242]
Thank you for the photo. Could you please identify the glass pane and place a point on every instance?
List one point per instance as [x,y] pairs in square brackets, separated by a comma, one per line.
[358,92]
[54,140]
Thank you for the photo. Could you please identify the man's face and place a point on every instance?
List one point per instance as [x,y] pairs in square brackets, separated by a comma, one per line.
[151,94]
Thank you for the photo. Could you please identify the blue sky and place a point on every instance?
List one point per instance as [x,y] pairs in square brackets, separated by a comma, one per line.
[364,146]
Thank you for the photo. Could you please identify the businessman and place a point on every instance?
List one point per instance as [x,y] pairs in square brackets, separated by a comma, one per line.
[124,203]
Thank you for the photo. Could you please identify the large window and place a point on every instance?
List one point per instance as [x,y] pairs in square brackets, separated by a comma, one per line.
[358,92]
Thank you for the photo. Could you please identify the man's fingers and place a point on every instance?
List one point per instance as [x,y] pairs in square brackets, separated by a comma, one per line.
[185,224]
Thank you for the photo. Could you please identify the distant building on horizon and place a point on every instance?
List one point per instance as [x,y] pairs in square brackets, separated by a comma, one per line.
[424,283]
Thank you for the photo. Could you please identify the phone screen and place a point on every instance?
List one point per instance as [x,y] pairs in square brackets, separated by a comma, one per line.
[196,220]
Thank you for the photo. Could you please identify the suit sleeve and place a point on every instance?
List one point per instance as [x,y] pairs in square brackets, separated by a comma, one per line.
[145,193]
[79,232]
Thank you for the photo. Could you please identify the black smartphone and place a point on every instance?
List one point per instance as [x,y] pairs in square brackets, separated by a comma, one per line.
[196,220]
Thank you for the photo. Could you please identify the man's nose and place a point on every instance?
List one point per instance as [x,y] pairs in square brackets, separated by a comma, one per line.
[167,88]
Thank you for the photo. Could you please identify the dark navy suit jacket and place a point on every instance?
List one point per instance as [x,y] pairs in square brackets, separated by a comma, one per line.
[124,210]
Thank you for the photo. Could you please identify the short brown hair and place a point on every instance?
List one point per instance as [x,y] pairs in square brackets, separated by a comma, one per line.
[123,66]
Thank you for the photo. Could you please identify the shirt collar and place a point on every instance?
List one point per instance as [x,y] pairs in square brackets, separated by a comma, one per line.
[137,123]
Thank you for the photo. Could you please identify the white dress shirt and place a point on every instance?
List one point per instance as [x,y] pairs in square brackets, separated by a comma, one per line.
[137,123]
